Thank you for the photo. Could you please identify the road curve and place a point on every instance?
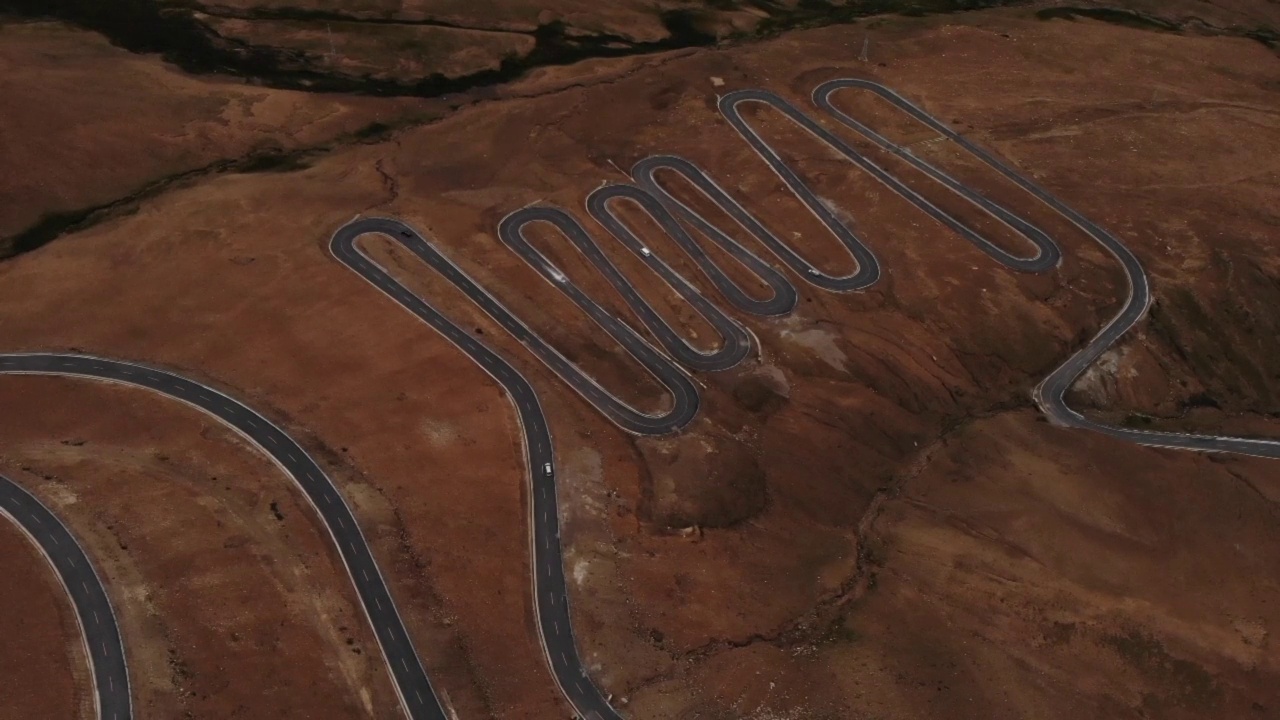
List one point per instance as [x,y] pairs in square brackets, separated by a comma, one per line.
[94,615]
[1047,255]
[551,600]
[664,207]
[1050,394]
[417,697]
[549,590]
[735,341]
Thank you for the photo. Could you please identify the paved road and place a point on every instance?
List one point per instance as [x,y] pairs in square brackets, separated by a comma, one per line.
[1050,394]
[410,680]
[667,210]
[93,611]
[735,342]
[551,601]
[1047,255]
[782,294]
[650,195]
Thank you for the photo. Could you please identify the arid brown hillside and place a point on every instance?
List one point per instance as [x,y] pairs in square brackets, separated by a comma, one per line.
[867,520]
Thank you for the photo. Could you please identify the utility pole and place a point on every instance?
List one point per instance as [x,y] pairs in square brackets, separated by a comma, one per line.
[866,45]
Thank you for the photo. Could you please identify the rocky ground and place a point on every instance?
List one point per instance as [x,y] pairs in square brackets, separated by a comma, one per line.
[868,520]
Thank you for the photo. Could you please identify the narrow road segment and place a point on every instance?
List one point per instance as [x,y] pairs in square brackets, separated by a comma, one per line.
[417,697]
[99,632]
[667,365]
[662,205]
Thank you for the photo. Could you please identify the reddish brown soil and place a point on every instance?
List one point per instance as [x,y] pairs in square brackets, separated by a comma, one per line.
[400,52]
[901,538]
[43,664]
[103,123]
[631,20]
[216,567]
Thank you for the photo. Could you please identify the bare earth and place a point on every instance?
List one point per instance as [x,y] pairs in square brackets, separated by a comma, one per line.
[867,521]
[43,663]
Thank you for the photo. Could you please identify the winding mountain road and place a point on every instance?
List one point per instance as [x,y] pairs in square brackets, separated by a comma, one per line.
[94,615]
[669,213]
[551,600]
[667,363]
[410,680]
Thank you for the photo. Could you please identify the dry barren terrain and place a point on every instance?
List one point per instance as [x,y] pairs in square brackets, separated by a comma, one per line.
[867,520]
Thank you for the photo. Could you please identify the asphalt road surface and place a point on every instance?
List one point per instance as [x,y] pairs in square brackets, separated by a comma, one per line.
[93,611]
[669,364]
[410,680]
[1050,394]
[551,601]
[650,195]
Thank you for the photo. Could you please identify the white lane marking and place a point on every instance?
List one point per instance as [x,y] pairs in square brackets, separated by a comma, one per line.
[166,385]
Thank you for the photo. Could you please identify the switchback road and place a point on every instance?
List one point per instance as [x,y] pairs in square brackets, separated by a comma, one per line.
[669,212]
[667,365]
[550,596]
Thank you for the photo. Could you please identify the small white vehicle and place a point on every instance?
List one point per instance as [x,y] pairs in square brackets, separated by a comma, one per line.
[814,272]
[546,469]
[645,252]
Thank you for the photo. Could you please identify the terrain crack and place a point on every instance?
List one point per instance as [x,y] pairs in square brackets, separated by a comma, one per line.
[822,620]
[55,225]
[1144,21]
[389,182]
[314,15]
[1245,481]
[174,30]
